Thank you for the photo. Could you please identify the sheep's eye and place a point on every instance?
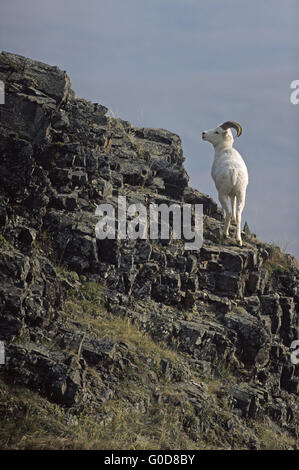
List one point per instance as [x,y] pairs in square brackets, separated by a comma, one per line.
[216,132]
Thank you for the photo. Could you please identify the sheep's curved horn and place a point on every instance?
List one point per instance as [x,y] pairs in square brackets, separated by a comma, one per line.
[235,125]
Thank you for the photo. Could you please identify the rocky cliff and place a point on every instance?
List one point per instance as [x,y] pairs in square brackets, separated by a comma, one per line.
[159,346]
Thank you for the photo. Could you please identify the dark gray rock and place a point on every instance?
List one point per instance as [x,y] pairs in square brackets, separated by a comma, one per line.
[249,399]
[228,284]
[220,307]
[252,334]
[47,79]
[192,196]
[55,375]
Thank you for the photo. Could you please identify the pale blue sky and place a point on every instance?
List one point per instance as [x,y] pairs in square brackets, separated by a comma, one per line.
[186,66]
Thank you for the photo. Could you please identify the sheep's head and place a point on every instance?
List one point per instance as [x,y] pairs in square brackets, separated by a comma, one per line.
[222,134]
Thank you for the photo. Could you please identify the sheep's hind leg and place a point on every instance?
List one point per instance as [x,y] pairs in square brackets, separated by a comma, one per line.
[224,203]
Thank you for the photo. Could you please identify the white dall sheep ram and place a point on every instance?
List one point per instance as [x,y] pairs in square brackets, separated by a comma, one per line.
[229,173]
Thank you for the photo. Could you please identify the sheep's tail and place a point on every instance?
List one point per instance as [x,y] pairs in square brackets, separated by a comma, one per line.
[234,176]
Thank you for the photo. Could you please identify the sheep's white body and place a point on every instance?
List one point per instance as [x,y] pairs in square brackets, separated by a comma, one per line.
[230,175]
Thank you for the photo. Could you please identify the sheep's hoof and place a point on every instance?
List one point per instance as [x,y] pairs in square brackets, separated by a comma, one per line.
[239,242]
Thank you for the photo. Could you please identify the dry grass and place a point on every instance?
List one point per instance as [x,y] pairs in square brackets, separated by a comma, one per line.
[147,411]
[87,306]
[133,419]
[39,424]
[272,438]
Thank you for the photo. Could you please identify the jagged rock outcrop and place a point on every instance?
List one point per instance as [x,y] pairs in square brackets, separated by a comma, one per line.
[60,157]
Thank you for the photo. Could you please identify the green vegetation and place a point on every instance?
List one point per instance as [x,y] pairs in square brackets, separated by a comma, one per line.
[44,243]
[277,261]
[3,241]
[30,81]
[14,135]
[129,134]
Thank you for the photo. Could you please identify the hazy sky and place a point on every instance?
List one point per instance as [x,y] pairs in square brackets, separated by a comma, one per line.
[186,66]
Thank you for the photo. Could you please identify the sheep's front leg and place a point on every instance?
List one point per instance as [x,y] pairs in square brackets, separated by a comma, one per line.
[240,207]
[224,203]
